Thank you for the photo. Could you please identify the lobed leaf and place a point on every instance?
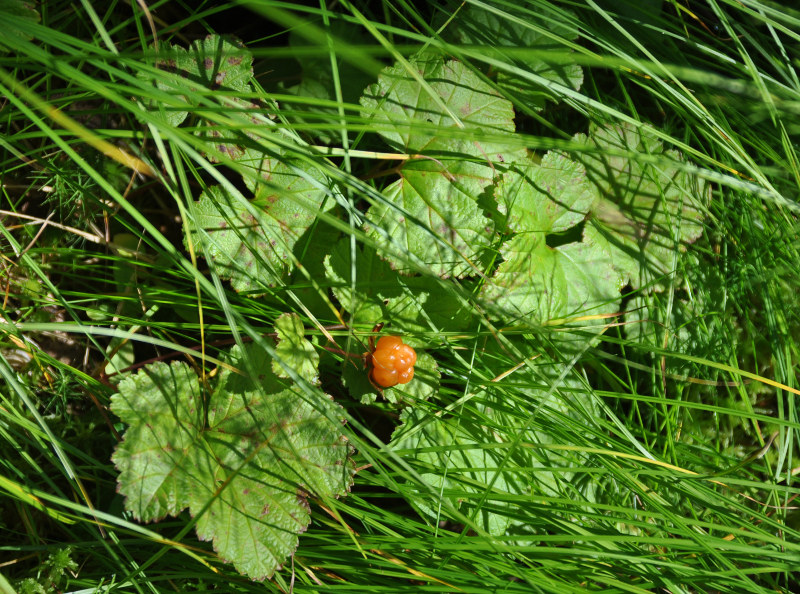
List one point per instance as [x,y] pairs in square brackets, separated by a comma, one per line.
[251,242]
[245,472]
[377,293]
[539,283]
[432,213]
[542,283]
[649,210]
[455,111]
[549,197]
[163,406]
[212,63]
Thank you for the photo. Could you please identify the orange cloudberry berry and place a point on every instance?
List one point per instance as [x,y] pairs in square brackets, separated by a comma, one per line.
[392,362]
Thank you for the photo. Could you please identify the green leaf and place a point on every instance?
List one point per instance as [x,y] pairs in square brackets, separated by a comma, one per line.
[549,197]
[541,283]
[457,460]
[294,349]
[377,287]
[251,243]
[292,190]
[317,98]
[311,251]
[432,213]
[245,472]
[159,398]
[212,63]
[454,112]
[650,208]
[380,294]
[539,50]
[236,141]
[452,458]
[407,304]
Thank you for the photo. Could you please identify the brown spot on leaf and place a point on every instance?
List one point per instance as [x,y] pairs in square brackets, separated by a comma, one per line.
[169,65]
[301,496]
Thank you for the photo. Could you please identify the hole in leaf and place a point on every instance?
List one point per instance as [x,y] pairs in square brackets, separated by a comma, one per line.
[572,235]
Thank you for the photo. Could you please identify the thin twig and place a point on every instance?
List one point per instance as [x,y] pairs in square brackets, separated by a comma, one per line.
[38,234]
